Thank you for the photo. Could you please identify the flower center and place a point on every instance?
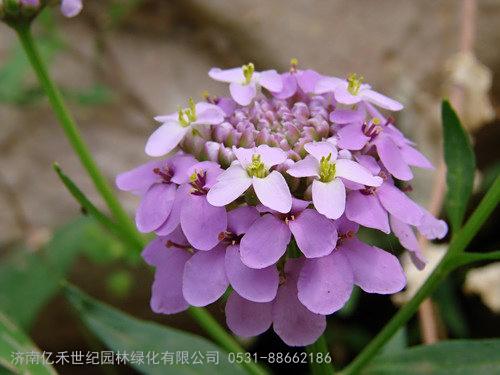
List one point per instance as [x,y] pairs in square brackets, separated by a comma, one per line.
[326,169]
[230,237]
[373,128]
[354,83]
[187,115]
[257,168]
[197,181]
[293,65]
[248,71]
[165,174]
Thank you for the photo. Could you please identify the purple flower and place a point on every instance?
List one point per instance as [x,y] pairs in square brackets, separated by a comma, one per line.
[297,81]
[291,320]
[157,183]
[253,169]
[201,222]
[169,255]
[207,274]
[267,239]
[325,284]
[353,91]
[71,8]
[245,81]
[328,190]
[177,125]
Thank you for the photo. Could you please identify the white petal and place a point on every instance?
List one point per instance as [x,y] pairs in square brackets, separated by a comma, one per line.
[304,168]
[329,197]
[230,185]
[273,192]
[353,171]
[165,138]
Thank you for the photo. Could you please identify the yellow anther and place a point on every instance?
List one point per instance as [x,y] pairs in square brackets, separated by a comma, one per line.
[248,71]
[354,83]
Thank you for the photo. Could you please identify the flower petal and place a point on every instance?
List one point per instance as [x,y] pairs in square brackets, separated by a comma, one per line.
[327,84]
[271,80]
[374,270]
[265,242]
[348,116]
[204,279]
[233,182]
[353,171]
[415,158]
[139,179]
[201,222]
[409,241]
[381,100]
[242,94]
[227,75]
[342,95]
[167,297]
[208,114]
[304,168]
[289,86]
[366,210]
[321,149]
[316,235]
[257,285]
[241,219]
[271,156]
[399,204]
[246,318]
[155,207]
[369,163]
[292,321]
[392,159]
[329,197]
[351,137]
[174,219]
[432,228]
[273,192]
[165,138]
[307,80]
[325,284]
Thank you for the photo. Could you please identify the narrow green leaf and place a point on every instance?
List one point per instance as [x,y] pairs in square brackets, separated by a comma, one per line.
[86,204]
[456,357]
[121,332]
[14,345]
[460,163]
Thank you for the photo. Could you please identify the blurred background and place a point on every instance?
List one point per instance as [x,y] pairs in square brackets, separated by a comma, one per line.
[123,61]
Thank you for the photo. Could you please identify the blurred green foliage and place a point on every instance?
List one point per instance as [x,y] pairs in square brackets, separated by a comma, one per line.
[13,340]
[29,278]
[121,332]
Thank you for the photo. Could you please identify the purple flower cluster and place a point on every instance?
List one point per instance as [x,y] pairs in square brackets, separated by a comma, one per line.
[264,191]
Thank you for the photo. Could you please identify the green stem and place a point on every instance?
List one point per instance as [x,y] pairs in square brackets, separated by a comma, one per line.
[71,130]
[468,258]
[453,259]
[319,365]
[221,337]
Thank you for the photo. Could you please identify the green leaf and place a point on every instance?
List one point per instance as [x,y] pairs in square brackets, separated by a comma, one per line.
[12,341]
[121,332]
[460,163]
[456,357]
[28,279]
